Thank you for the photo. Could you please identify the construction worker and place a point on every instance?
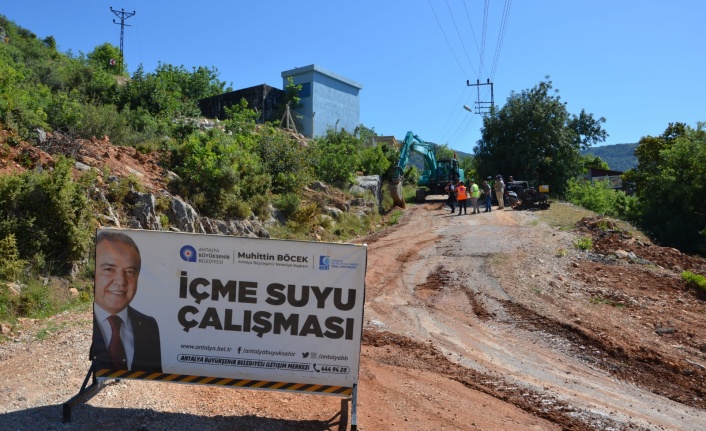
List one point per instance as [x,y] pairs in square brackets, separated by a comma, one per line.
[499,191]
[487,190]
[461,197]
[450,189]
[475,194]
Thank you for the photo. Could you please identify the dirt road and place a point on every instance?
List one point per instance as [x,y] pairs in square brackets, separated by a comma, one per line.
[478,322]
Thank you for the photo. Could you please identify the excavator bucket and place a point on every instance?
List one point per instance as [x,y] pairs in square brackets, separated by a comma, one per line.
[396,193]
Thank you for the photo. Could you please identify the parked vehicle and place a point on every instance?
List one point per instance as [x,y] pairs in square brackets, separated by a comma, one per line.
[519,195]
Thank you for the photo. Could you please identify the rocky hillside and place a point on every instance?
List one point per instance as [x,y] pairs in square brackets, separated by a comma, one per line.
[149,204]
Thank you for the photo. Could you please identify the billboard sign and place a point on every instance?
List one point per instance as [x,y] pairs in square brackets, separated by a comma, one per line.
[203,308]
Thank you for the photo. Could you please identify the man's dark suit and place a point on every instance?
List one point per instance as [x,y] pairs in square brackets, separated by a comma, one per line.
[147,357]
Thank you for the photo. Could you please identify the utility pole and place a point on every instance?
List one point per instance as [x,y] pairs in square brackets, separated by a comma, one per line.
[123,16]
[481,105]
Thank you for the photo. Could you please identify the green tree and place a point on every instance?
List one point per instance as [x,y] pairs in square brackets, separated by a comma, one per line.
[444,152]
[337,156]
[365,135]
[469,167]
[591,161]
[393,156]
[291,98]
[287,160]
[106,57]
[170,91]
[534,138]
[291,94]
[373,161]
[216,171]
[669,183]
[375,157]
[600,197]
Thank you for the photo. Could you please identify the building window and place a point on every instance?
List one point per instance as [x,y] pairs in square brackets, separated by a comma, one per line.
[306,90]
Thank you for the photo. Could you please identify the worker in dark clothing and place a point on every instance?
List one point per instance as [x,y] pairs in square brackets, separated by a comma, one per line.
[487,190]
[451,190]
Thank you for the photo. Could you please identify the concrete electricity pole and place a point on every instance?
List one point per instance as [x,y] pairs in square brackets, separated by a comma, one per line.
[123,16]
[481,105]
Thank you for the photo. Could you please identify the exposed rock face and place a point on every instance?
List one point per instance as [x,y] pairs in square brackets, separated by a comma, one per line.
[250,227]
[184,217]
[144,210]
[333,212]
[319,186]
[109,218]
[372,183]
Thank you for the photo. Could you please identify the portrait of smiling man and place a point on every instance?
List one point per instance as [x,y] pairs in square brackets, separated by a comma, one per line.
[123,338]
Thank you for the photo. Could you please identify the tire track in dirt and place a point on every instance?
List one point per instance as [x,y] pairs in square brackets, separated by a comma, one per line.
[425,356]
[453,298]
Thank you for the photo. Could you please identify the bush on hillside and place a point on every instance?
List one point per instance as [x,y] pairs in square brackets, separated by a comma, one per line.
[337,157]
[373,161]
[211,166]
[286,160]
[288,204]
[10,263]
[49,214]
[600,197]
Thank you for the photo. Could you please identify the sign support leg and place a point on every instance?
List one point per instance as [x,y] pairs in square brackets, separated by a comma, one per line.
[354,408]
[84,394]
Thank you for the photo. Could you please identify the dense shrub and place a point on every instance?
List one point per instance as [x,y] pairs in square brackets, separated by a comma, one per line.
[600,197]
[288,204]
[260,206]
[373,161]
[696,281]
[337,157]
[49,214]
[286,160]
[10,263]
[211,167]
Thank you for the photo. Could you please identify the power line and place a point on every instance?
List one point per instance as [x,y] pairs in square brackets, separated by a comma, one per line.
[454,114]
[484,34]
[459,36]
[452,126]
[123,16]
[447,39]
[501,36]
[475,40]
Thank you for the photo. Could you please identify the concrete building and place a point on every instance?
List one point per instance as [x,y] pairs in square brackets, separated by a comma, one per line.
[329,100]
[596,174]
[265,100]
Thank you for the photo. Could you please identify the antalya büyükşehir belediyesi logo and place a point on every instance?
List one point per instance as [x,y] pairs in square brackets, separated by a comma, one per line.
[188,253]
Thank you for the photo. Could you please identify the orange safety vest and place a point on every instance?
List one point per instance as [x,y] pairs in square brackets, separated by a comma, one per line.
[461,192]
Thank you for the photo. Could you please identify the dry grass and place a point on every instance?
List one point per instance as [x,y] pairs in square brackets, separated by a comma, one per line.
[564,215]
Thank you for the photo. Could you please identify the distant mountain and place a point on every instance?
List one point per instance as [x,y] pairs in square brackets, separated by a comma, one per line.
[620,157]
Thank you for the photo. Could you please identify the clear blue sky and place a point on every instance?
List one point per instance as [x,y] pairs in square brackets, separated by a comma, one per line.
[638,63]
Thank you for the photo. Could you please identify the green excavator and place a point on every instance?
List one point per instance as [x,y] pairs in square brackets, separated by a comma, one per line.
[436,174]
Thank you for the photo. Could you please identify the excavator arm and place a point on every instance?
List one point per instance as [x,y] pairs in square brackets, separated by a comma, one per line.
[414,143]
[411,143]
